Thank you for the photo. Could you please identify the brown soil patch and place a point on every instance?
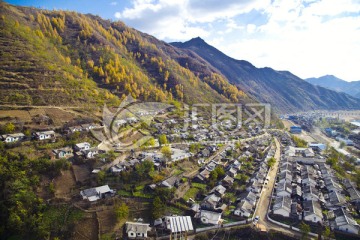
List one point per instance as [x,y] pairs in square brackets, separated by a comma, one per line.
[86,229]
[107,220]
[36,111]
[22,115]
[64,184]
[81,172]
[58,116]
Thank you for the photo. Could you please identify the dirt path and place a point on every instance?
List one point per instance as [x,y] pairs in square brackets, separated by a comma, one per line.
[265,199]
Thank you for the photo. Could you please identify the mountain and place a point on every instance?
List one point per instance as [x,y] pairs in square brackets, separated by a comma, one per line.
[283,90]
[64,58]
[337,84]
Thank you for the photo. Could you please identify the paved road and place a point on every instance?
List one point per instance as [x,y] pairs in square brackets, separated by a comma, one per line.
[265,199]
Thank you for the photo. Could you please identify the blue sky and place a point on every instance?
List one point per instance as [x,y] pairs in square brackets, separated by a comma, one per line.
[310,38]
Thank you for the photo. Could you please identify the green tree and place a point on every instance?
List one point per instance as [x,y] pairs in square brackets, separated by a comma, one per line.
[328,234]
[27,132]
[100,177]
[194,147]
[151,142]
[305,230]
[220,172]
[51,188]
[9,128]
[158,208]
[143,169]
[213,175]
[271,162]
[122,211]
[163,139]
[166,151]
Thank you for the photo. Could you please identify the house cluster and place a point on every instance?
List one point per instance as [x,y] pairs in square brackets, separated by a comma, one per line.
[212,206]
[81,150]
[17,137]
[247,201]
[196,128]
[210,209]
[305,190]
[156,157]
[303,155]
[351,139]
[305,122]
[86,127]
[174,227]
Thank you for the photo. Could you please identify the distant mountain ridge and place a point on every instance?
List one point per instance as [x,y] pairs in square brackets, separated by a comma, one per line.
[71,59]
[285,91]
[63,58]
[337,84]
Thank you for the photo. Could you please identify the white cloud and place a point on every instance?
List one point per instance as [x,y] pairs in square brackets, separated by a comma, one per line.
[113,3]
[183,19]
[304,40]
[307,37]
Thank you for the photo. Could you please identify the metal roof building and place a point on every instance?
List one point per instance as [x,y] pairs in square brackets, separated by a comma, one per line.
[178,224]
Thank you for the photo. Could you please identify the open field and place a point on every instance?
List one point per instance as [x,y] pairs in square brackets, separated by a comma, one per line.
[58,115]
[21,115]
[81,172]
[107,220]
[64,184]
[86,229]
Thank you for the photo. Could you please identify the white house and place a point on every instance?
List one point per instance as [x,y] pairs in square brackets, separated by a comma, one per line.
[94,194]
[65,152]
[91,153]
[312,211]
[282,206]
[45,135]
[251,197]
[310,193]
[209,217]
[219,190]
[284,189]
[244,209]
[14,137]
[137,229]
[82,146]
[344,222]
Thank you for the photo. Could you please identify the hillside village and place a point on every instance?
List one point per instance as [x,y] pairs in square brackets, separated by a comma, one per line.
[185,182]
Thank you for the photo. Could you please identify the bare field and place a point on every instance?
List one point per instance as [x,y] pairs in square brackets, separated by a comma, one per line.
[36,111]
[64,184]
[59,116]
[86,229]
[81,172]
[107,220]
[22,115]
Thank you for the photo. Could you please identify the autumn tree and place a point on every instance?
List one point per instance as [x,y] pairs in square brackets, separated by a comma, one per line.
[158,208]
[166,152]
[122,211]
[9,128]
[305,230]
[271,162]
[163,139]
